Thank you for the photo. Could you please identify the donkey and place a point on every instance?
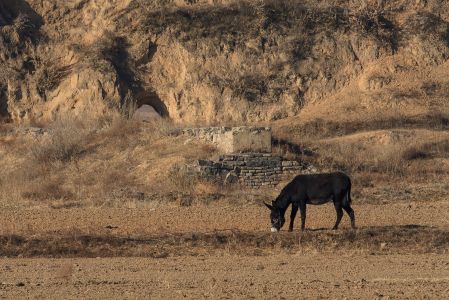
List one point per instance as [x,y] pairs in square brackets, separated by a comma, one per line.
[313,189]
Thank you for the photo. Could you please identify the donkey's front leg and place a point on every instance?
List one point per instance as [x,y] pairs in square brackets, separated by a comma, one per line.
[292,216]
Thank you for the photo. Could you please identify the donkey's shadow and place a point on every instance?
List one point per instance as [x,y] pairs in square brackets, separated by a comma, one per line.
[380,228]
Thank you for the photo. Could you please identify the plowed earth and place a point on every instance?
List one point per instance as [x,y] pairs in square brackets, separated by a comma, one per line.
[222,250]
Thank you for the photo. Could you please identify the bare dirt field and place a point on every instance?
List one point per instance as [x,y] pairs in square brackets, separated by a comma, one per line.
[154,217]
[223,250]
[278,276]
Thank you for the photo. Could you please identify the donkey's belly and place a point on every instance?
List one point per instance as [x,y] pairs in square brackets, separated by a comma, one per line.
[318,201]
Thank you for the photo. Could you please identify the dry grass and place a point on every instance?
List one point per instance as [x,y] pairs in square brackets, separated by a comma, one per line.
[83,161]
[381,240]
[427,150]
[393,159]
[67,138]
[114,161]
[353,158]
[52,190]
[382,145]
[403,162]
[320,128]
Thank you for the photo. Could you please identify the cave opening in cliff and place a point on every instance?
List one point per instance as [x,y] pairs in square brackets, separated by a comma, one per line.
[152,99]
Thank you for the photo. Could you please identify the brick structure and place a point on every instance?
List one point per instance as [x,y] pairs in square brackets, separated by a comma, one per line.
[251,169]
[235,139]
[247,158]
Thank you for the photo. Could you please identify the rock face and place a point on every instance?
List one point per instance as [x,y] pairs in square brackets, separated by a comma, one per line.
[235,139]
[220,61]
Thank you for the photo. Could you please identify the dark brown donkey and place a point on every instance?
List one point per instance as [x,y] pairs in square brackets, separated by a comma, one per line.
[312,189]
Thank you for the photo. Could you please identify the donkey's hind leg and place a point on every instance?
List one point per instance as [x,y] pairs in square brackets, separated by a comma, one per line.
[303,211]
[351,215]
[339,211]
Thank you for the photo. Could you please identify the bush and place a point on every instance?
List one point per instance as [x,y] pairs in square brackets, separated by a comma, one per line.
[48,191]
[66,140]
[428,150]
[182,178]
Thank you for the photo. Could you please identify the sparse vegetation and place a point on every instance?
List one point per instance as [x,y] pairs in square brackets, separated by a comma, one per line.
[357,86]
[67,139]
[320,128]
[102,162]
[235,62]
[400,239]
[428,150]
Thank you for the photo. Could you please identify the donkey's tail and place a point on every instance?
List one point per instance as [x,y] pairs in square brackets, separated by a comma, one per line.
[347,199]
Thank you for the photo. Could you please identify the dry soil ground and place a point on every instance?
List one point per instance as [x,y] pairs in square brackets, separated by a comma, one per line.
[278,276]
[223,251]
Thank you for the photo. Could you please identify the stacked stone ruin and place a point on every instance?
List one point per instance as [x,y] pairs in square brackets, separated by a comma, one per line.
[250,169]
[247,157]
[235,139]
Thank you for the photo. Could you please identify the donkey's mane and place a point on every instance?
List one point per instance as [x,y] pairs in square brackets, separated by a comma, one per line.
[282,201]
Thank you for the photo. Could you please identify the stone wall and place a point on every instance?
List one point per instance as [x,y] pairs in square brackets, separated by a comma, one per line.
[251,169]
[235,139]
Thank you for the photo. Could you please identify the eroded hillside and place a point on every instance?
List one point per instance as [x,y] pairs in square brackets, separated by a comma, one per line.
[225,61]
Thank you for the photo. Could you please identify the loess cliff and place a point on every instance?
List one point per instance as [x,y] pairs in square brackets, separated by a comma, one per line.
[222,61]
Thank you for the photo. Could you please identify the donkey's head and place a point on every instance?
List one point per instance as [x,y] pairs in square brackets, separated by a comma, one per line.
[276,217]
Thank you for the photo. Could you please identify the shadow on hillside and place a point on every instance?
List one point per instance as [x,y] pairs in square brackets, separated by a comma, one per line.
[11,9]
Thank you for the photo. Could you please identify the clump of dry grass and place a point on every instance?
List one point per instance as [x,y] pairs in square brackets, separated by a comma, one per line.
[66,139]
[48,75]
[190,187]
[427,150]
[183,177]
[49,190]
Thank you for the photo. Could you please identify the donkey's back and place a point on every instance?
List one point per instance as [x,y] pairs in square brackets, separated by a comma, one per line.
[320,188]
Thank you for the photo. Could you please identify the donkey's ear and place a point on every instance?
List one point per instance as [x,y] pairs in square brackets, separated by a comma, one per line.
[268,205]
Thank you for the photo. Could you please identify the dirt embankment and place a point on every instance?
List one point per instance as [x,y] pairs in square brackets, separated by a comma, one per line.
[243,61]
